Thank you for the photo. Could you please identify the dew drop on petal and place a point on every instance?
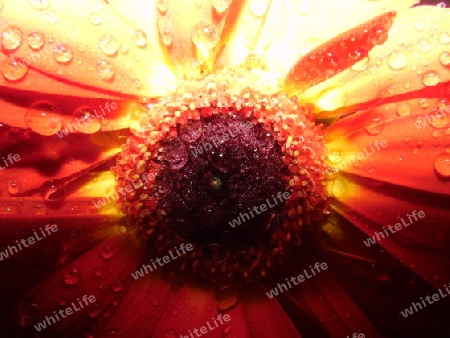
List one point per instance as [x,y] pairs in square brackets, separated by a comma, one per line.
[335,155]
[85,120]
[440,119]
[14,187]
[36,40]
[40,209]
[107,253]
[105,70]
[204,37]
[339,189]
[424,45]
[226,298]
[430,78]
[162,5]
[397,61]
[165,32]
[14,70]
[72,276]
[444,38]
[95,18]
[305,7]
[54,191]
[375,125]
[39,4]
[259,7]
[221,6]
[51,17]
[444,59]
[43,119]
[140,38]
[62,54]
[108,44]
[117,286]
[442,165]
[11,39]
[403,109]
[94,310]
[98,271]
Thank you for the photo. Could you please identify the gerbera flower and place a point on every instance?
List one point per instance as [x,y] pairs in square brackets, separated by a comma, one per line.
[224,168]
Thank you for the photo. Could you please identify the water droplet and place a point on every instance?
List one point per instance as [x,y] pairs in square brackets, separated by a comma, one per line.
[140,38]
[259,7]
[375,125]
[51,17]
[205,37]
[175,311]
[14,70]
[162,5]
[94,310]
[221,5]
[444,59]
[14,187]
[54,191]
[95,18]
[11,39]
[86,121]
[403,109]
[105,70]
[397,61]
[335,155]
[62,53]
[226,298]
[423,103]
[439,119]
[36,40]
[339,188]
[117,286]
[108,44]
[430,78]
[165,31]
[39,4]
[305,7]
[107,252]
[442,165]
[72,276]
[424,45]
[444,38]
[40,209]
[43,119]
[98,271]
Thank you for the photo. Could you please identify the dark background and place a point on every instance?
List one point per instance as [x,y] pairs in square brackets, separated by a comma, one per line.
[431,2]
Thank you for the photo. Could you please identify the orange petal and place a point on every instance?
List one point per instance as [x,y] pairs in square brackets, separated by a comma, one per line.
[190,34]
[415,57]
[338,54]
[384,146]
[422,244]
[268,28]
[80,43]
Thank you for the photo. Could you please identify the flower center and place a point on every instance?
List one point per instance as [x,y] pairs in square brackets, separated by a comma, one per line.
[235,173]
[221,181]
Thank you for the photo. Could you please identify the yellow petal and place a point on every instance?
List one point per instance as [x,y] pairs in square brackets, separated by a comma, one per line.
[415,57]
[283,32]
[190,33]
[83,43]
